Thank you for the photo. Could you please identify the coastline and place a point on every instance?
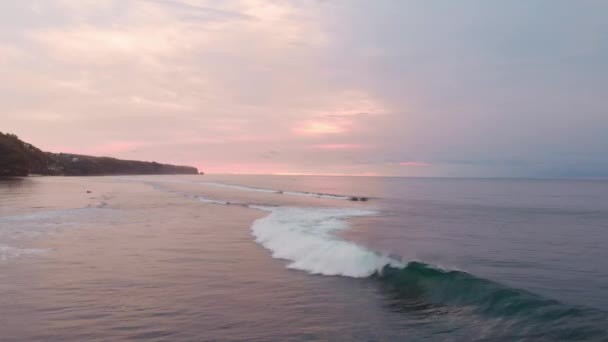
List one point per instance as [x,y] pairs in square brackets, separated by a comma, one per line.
[19,158]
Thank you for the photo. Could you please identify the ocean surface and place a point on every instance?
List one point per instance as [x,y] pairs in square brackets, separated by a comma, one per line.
[295,258]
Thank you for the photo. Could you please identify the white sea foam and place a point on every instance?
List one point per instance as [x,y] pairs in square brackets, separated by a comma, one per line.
[17,230]
[317,195]
[10,252]
[237,187]
[211,201]
[304,236]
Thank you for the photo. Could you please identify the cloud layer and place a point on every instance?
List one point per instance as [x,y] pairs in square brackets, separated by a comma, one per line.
[473,88]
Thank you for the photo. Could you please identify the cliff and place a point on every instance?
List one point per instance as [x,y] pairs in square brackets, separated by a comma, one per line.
[18,158]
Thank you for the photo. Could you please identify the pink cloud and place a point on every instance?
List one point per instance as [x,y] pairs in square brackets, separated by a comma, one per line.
[362,174]
[107,149]
[321,127]
[337,146]
[414,164]
[242,168]
[279,169]
[116,147]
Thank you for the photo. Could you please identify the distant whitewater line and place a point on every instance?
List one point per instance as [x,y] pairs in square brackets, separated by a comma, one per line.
[292,193]
[252,189]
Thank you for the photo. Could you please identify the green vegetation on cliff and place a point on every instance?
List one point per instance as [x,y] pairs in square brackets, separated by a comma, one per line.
[18,158]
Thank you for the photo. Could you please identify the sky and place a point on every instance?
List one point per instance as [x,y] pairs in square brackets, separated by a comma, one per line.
[436,88]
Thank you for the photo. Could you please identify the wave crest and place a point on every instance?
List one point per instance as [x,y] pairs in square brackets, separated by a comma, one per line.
[305,237]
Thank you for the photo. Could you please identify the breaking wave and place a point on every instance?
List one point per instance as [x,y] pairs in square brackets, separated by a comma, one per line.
[305,238]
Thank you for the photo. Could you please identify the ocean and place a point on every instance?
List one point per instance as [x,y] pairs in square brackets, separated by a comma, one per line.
[296,258]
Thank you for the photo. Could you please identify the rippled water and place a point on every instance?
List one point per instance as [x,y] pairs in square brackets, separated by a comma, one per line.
[268,258]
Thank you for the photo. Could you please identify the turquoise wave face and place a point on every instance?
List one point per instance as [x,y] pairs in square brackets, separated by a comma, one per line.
[421,287]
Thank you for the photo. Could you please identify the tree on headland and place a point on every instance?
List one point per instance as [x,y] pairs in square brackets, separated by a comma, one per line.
[14,160]
[18,159]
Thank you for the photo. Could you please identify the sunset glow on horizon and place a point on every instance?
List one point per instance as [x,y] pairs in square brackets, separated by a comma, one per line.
[320,128]
[394,88]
